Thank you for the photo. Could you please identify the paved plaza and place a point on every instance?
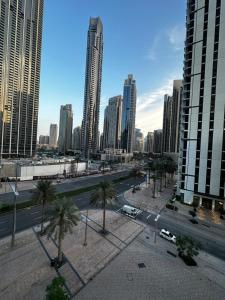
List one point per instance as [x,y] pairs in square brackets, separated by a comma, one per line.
[162,277]
[144,200]
[25,270]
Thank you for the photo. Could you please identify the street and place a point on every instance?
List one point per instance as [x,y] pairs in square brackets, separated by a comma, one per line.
[211,242]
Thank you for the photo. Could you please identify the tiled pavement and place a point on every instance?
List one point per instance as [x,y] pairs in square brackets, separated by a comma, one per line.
[143,199]
[84,262]
[25,271]
[164,277]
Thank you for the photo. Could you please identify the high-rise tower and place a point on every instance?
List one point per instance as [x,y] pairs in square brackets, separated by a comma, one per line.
[65,128]
[53,132]
[112,123]
[128,114]
[92,90]
[202,150]
[20,56]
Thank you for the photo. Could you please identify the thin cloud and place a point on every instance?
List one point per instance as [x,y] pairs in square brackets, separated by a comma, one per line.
[149,114]
[153,49]
[176,37]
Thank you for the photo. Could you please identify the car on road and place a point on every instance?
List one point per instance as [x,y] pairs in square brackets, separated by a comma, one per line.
[167,235]
[130,211]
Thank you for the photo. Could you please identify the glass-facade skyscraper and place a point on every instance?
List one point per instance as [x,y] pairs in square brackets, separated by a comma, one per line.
[20,57]
[92,92]
[128,114]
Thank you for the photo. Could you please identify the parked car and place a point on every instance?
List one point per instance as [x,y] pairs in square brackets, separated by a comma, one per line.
[167,235]
[130,211]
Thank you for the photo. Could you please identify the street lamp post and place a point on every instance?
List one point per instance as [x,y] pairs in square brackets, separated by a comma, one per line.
[14,189]
[156,227]
[85,234]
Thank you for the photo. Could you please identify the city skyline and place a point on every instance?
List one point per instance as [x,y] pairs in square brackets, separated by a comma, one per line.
[144,56]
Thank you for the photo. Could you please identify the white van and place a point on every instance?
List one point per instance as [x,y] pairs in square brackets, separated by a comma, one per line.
[130,211]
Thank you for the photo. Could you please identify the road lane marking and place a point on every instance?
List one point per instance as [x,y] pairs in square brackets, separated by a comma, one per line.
[148,216]
[35,212]
[37,218]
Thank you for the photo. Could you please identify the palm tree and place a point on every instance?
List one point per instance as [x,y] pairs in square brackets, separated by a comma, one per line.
[44,192]
[103,166]
[104,195]
[62,217]
[77,160]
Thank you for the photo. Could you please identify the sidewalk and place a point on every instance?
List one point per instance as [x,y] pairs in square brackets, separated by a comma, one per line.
[144,270]
[144,200]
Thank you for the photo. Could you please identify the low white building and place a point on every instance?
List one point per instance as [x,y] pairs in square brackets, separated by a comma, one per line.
[35,170]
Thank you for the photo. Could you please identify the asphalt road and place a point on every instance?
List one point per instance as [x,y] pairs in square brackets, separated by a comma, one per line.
[65,186]
[29,217]
[211,242]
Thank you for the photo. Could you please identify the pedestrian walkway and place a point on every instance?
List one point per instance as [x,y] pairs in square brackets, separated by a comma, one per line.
[144,199]
[82,263]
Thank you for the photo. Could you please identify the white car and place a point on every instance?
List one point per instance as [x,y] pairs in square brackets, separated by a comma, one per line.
[167,235]
[130,211]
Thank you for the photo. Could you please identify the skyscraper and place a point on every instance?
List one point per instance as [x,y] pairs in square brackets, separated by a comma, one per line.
[92,90]
[20,56]
[112,123]
[149,142]
[53,132]
[175,119]
[171,119]
[77,138]
[202,150]
[128,114]
[167,117]
[65,128]
[157,147]
[138,140]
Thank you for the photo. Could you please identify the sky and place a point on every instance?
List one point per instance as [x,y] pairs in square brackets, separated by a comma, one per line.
[141,37]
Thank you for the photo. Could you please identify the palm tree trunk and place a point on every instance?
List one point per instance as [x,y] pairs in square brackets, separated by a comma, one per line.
[60,245]
[154,183]
[103,216]
[165,179]
[149,175]
[42,215]
[160,186]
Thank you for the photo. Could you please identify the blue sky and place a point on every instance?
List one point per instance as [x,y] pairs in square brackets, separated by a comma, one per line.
[142,37]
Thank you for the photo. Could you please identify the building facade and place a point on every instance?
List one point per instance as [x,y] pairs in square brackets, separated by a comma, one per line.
[77,138]
[128,114]
[149,143]
[112,123]
[53,132]
[167,118]
[176,115]
[20,57]
[138,140]
[157,147]
[43,140]
[202,150]
[65,128]
[92,91]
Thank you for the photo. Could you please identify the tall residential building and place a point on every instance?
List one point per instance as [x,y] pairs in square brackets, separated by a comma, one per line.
[112,123]
[77,138]
[92,91]
[65,128]
[128,114]
[20,57]
[167,117]
[53,132]
[149,142]
[176,115]
[157,147]
[44,140]
[138,140]
[202,150]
